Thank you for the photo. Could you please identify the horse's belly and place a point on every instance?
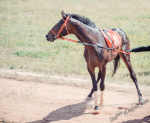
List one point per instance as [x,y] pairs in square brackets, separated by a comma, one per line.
[112,56]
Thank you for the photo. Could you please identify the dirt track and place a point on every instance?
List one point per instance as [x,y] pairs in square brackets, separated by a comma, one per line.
[35,102]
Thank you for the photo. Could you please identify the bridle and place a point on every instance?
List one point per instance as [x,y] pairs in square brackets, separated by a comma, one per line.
[64,25]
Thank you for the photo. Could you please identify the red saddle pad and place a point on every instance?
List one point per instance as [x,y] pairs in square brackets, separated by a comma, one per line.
[112,38]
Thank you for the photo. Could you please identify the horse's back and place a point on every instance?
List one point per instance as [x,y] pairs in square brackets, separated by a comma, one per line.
[122,34]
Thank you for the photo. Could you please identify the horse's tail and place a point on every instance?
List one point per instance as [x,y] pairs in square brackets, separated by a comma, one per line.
[116,62]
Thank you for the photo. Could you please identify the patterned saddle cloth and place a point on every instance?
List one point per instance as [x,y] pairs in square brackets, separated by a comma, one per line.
[112,38]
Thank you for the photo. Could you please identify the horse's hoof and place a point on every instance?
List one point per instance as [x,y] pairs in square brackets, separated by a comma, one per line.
[95,112]
[141,101]
[88,98]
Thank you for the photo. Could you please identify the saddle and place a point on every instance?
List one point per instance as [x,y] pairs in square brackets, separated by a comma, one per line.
[112,38]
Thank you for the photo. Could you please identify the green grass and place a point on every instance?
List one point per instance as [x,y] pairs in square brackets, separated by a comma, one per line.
[24,24]
[33,54]
[2,120]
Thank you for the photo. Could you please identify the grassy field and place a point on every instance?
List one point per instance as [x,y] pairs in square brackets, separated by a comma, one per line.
[24,24]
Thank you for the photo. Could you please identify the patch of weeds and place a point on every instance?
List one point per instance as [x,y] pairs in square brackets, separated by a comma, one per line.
[11,67]
[32,54]
[143,17]
[2,120]
[121,18]
[13,1]
[24,0]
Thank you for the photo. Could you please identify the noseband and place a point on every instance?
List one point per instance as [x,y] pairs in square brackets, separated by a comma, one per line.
[64,25]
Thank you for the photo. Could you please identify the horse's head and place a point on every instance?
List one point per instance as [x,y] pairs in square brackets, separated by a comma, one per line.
[59,30]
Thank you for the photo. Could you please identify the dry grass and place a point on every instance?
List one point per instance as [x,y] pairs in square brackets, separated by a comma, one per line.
[25,23]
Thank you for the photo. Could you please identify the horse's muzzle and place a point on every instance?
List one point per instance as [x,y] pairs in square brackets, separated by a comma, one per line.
[49,39]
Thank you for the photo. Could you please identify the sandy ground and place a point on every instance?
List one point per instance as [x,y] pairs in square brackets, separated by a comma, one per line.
[35,102]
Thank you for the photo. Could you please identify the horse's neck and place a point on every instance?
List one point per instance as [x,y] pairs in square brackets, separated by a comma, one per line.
[85,33]
[89,35]
[92,36]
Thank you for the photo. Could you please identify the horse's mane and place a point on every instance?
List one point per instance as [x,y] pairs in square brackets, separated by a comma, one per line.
[83,19]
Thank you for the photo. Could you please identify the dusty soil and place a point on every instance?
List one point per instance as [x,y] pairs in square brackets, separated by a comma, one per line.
[36,102]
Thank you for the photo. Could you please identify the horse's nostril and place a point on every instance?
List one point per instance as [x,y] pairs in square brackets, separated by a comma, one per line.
[46,36]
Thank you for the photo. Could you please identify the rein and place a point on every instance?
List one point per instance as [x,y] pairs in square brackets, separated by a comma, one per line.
[62,38]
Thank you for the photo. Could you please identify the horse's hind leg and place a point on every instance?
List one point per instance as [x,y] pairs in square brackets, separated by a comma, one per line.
[126,59]
[98,78]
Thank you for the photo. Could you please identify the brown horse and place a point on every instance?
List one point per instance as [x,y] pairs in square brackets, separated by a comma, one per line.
[86,31]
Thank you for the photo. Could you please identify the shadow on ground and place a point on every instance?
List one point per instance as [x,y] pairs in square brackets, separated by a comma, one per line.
[144,120]
[65,113]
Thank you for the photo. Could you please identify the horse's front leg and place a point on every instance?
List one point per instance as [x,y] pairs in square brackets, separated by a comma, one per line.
[92,91]
[94,83]
[102,84]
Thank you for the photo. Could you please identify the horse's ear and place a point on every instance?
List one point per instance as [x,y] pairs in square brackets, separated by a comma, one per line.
[63,15]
